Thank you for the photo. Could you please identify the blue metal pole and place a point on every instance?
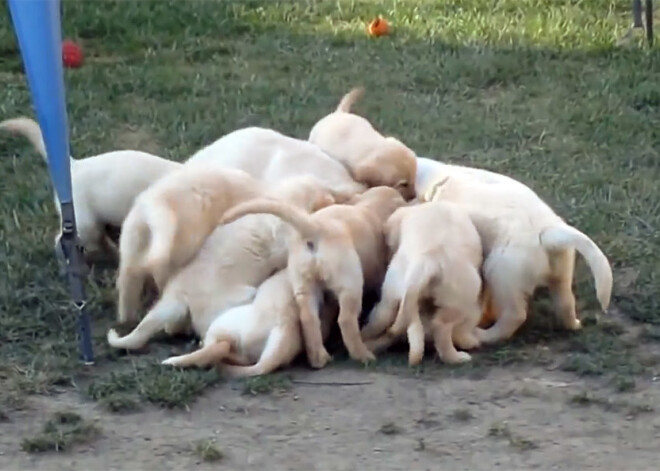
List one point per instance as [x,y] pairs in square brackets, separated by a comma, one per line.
[37,26]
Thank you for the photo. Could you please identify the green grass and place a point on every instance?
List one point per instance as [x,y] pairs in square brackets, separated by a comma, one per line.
[60,433]
[207,451]
[536,89]
[501,430]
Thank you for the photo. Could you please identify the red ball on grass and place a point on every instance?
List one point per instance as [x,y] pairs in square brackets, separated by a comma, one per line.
[72,55]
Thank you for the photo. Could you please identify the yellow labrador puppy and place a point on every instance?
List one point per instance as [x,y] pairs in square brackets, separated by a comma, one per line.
[526,245]
[225,273]
[169,222]
[270,156]
[437,255]
[104,186]
[340,248]
[372,158]
[256,338]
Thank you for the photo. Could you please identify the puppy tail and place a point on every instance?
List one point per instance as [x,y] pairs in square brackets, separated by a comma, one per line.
[563,237]
[294,216]
[161,223]
[29,129]
[351,97]
[417,277]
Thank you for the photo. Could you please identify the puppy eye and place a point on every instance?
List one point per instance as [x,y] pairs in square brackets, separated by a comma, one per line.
[403,184]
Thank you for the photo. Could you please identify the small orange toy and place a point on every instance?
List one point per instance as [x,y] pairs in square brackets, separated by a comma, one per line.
[378,27]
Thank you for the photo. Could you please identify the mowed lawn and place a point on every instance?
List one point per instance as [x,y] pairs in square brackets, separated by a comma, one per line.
[536,89]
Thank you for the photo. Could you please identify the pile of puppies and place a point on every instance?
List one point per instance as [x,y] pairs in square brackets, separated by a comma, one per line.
[260,242]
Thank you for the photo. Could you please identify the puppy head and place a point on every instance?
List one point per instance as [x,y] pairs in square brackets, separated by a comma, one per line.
[391,164]
[381,200]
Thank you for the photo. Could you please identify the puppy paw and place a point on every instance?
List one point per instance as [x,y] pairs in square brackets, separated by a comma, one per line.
[319,358]
[172,361]
[461,357]
[467,342]
[574,324]
[415,358]
[487,336]
[365,356]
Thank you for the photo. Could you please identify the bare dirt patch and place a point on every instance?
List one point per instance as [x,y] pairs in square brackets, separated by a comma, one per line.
[516,419]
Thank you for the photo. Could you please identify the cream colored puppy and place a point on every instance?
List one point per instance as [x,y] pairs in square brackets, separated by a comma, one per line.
[526,245]
[340,248]
[437,255]
[104,186]
[270,156]
[226,272]
[372,158]
[170,221]
[256,338]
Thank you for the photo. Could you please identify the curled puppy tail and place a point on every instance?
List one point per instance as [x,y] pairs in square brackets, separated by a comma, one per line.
[294,216]
[351,97]
[564,236]
[29,129]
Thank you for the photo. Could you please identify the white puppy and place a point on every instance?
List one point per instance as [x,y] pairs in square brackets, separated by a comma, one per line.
[526,245]
[437,255]
[270,156]
[256,338]
[226,271]
[104,186]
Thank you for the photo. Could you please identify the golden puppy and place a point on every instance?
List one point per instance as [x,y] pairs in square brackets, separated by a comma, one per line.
[526,245]
[270,156]
[104,187]
[257,338]
[372,158]
[340,248]
[437,255]
[169,222]
[232,262]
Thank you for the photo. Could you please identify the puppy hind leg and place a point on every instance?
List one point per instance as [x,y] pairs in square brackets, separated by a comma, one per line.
[442,326]
[381,343]
[381,318]
[211,353]
[129,286]
[505,276]
[561,290]
[282,346]
[165,312]
[317,355]
[349,311]
[512,306]
[383,314]
[416,341]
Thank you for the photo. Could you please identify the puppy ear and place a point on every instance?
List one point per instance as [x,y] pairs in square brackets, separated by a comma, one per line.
[367,173]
